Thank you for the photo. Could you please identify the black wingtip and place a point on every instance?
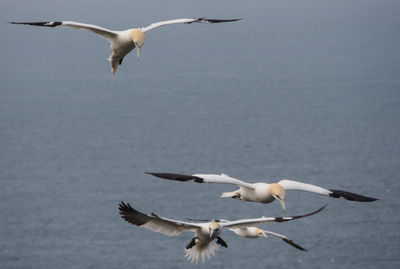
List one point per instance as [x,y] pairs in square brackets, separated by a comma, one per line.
[176,177]
[293,244]
[351,196]
[322,208]
[204,19]
[40,23]
[129,214]
[123,208]
[311,213]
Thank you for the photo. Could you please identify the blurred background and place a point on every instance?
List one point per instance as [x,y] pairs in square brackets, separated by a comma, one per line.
[307,90]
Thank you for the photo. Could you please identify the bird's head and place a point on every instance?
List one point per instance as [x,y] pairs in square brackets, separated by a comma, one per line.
[278,192]
[260,233]
[214,229]
[138,38]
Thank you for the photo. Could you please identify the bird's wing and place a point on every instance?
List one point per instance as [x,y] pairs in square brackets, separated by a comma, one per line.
[284,238]
[155,223]
[299,186]
[185,20]
[105,33]
[266,234]
[257,221]
[203,178]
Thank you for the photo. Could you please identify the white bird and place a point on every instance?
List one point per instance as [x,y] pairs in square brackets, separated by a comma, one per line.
[202,244]
[122,42]
[255,232]
[263,192]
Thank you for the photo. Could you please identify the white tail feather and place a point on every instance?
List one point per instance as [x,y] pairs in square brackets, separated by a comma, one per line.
[193,254]
[228,194]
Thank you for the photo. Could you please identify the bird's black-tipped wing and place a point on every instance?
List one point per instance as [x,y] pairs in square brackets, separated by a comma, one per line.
[205,20]
[154,222]
[177,177]
[351,196]
[284,239]
[293,244]
[103,32]
[133,216]
[204,178]
[184,20]
[257,221]
[40,23]
[288,185]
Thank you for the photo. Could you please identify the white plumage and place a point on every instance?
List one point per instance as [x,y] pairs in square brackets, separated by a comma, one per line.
[122,42]
[202,245]
[263,192]
[255,232]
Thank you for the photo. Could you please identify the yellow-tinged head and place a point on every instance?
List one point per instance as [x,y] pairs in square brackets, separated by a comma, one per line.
[138,38]
[260,233]
[214,228]
[214,225]
[278,192]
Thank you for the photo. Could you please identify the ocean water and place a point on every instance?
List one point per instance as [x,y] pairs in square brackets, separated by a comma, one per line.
[307,90]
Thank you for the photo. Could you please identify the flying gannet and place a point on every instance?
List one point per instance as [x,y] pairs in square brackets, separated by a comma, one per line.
[202,244]
[122,42]
[263,192]
[255,232]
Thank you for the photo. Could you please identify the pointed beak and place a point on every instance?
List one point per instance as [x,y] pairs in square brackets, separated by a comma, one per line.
[213,233]
[281,202]
[263,234]
[138,52]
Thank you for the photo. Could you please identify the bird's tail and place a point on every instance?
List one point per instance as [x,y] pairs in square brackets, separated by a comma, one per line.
[194,253]
[232,194]
[114,65]
[114,68]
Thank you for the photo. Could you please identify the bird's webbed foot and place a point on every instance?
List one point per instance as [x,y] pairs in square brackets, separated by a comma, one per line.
[237,196]
[192,243]
[221,242]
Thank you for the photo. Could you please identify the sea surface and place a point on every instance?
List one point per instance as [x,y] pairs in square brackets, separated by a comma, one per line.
[305,90]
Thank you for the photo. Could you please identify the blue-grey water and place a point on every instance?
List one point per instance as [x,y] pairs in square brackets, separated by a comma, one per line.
[307,90]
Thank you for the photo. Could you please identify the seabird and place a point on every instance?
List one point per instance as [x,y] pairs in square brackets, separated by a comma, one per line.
[263,192]
[206,232]
[122,42]
[255,232]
